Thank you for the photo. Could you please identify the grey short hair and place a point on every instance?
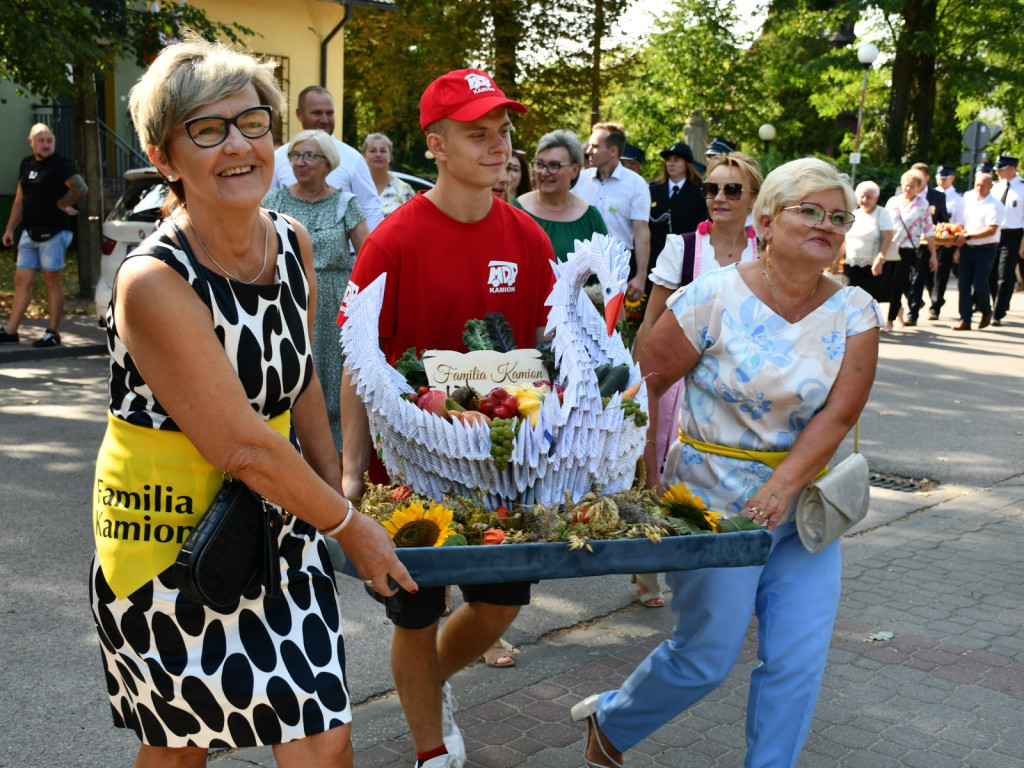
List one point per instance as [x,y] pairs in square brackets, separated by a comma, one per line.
[867,186]
[324,141]
[565,139]
[189,74]
[793,181]
[379,137]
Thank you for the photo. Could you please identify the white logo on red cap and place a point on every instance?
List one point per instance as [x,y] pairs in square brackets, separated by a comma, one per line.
[479,83]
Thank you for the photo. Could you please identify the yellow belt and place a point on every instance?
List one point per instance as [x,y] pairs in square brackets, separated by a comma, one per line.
[770,458]
[151,488]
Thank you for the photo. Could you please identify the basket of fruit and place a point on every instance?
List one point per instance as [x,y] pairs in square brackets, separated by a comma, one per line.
[946,233]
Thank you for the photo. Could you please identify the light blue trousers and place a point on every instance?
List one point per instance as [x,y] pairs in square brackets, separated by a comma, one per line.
[795,596]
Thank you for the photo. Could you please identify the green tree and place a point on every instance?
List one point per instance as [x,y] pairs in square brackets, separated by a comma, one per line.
[55,48]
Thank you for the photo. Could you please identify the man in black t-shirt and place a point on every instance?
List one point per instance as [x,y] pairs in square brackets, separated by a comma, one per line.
[48,189]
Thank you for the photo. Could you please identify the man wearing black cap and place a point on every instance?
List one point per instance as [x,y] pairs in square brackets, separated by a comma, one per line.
[677,199]
[634,158]
[719,146]
[1009,190]
[946,175]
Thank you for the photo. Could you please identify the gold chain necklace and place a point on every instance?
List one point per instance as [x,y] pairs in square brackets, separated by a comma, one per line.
[221,267]
[771,291]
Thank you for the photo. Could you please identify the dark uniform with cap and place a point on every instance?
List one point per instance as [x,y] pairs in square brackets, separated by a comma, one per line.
[1009,190]
[719,146]
[676,207]
[633,158]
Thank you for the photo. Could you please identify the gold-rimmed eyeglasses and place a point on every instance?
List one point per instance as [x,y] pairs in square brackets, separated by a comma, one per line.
[814,215]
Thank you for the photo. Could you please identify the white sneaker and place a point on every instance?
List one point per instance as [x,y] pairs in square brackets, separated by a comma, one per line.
[441,761]
[450,731]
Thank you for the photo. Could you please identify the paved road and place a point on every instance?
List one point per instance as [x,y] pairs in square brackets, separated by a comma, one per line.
[940,569]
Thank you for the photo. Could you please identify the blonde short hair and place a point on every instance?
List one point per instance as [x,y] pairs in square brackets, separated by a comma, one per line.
[912,175]
[324,141]
[793,181]
[189,74]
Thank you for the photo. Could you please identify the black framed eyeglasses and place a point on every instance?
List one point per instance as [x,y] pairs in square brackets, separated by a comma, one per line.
[733,190]
[814,215]
[211,131]
[553,167]
[306,157]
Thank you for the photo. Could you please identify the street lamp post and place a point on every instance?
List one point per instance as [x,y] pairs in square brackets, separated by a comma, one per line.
[766,133]
[866,55]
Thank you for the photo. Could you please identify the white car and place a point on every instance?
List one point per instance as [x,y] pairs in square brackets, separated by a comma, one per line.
[132,219]
[135,216]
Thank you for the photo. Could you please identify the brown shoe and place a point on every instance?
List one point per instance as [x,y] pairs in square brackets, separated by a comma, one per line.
[986,321]
[961,326]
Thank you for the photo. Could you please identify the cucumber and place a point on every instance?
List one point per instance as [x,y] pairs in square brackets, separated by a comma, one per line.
[602,372]
[616,381]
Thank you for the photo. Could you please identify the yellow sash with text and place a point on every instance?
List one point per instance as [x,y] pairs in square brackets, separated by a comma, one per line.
[151,488]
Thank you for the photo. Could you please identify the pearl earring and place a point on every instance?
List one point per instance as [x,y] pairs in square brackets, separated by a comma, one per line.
[170,178]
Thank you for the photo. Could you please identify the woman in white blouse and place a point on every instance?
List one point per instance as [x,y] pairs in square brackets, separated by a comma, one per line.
[868,240]
[392,190]
[733,182]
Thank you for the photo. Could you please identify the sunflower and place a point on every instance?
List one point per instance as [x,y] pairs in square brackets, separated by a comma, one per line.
[680,494]
[412,525]
[681,503]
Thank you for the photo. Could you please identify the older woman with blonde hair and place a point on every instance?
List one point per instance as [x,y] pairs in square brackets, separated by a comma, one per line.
[778,361]
[211,374]
[868,240]
[333,218]
[912,223]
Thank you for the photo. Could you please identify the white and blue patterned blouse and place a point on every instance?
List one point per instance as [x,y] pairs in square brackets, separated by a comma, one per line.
[759,380]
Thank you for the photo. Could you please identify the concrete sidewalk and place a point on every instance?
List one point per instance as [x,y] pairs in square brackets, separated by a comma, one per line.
[79,335]
[946,689]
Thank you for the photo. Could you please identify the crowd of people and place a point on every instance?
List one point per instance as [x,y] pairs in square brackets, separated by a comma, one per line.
[257,256]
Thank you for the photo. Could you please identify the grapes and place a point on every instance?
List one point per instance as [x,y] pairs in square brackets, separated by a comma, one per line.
[503,433]
[632,408]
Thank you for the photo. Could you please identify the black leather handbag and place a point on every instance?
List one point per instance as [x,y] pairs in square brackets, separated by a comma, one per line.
[233,546]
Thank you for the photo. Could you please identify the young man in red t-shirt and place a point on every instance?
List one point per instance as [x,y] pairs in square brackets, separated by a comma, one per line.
[451,254]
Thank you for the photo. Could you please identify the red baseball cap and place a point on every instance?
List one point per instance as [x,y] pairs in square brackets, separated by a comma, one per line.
[463,95]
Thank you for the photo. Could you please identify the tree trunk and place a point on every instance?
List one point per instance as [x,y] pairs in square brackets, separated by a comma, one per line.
[90,209]
[595,62]
[913,83]
[506,15]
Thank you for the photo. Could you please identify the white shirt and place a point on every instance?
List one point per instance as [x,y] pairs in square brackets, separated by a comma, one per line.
[1014,204]
[622,198]
[669,270]
[351,175]
[954,205]
[864,240]
[979,214]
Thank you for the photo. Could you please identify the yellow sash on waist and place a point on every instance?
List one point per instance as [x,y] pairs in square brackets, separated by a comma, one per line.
[151,488]
[770,458]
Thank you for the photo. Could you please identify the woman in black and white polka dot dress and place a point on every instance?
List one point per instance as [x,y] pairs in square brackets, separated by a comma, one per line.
[192,398]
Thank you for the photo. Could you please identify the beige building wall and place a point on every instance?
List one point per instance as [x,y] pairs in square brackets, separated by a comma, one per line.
[294,33]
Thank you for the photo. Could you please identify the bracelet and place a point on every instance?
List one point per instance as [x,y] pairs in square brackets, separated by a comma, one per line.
[345,521]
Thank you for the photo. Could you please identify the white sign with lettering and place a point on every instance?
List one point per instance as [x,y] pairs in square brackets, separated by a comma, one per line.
[483,370]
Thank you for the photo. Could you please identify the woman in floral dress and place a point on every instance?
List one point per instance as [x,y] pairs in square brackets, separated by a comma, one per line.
[778,359]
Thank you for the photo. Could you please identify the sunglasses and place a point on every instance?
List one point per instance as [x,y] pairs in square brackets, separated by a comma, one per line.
[211,131]
[732,190]
[814,215]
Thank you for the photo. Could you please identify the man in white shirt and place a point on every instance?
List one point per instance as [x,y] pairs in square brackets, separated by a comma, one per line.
[1009,190]
[946,175]
[316,112]
[621,196]
[983,215]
